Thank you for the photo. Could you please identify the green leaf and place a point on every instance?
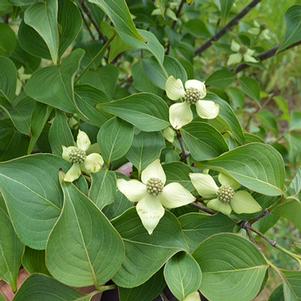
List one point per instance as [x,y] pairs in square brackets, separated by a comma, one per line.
[197,28]
[60,79]
[79,253]
[104,79]
[8,40]
[146,111]
[5,7]
[9,138]
[203,140]
[60,134]
[277,294]
[103,188]
[293,27]
[43,18]
[228,118]
[25,59]
[8,79]
[295,185]
[292,285]
[86,98]
[115,138]
[40,287]
[119,206]
[148,291]
[175,68]
[11,251]
[140,83]
[178,172]
[225,7]
[146,254]
[20,112]
[257,166]
[40,116]
[32,195]
[34,261]
[149,43]
[119,13]
[295,121]
[221,78]
[291,210]
[68,25]
[145,149]
[236,97]
[250,87]
[158,74]
[226,259]
[198,226]
[182,275]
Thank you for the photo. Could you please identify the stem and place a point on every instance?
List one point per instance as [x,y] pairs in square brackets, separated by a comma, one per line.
[181,142]
[174,23]
[163,297]
[273,243]
[201,207]
[90,17]
[98,55]
[179,10]
[291,254]
[262,215]
[88,26]
[227,27]
[266,55]
[105,288]
[259,108]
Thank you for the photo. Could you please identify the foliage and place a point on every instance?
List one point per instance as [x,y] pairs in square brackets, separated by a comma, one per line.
[146,147]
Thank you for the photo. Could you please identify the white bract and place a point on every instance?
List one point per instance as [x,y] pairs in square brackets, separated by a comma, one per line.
[193,297]
[224,198]
[77,155]
[153,195]
[194,92]
[169,134]
[241,54]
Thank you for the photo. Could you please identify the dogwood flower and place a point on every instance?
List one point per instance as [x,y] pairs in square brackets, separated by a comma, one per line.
[77,155]
[194,92]
[241,54]
[153,195]
[224,198]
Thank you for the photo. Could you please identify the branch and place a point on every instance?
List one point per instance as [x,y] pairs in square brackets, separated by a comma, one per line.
[262,215]
[183,151]
[90,17]
[247,226]
[174,23]
[266,55]
[178,12]
[227,27]
[98,55]
[201,207]
[87,26]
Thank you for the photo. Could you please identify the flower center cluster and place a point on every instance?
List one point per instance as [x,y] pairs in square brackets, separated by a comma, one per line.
[192,95]
[77,156]
[225,194]
[243,50]
[154,186]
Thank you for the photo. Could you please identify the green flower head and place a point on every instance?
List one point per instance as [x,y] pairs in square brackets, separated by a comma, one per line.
[226,197]
[77,155]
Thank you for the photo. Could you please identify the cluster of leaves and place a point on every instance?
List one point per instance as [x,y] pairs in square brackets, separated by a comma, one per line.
[68,65]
